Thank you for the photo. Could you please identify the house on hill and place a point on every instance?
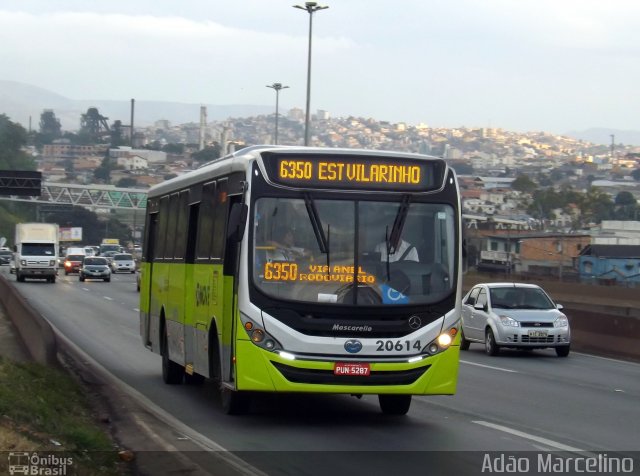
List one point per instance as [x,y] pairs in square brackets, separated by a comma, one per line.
[610,264]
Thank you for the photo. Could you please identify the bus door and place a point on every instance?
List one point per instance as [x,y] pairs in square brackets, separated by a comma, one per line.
[201,300]
[147,270]
[234,228]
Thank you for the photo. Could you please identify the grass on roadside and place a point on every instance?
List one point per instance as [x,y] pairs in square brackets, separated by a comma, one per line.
[44,409]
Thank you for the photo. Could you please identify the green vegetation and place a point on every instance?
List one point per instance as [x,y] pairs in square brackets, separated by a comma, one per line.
[43,409]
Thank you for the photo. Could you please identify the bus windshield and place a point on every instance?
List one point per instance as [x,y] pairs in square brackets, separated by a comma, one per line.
[398,252]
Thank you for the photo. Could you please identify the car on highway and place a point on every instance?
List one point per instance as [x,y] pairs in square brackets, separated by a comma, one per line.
[72,263]
[6,256]
[123,262]
[95,267]
[513,315]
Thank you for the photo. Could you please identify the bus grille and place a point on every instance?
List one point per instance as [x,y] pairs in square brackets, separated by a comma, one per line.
[326,377]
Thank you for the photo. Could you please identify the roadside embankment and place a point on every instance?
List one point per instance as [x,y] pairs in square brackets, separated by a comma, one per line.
[35,332]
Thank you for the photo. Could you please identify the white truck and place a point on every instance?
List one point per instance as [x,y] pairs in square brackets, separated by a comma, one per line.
[36,251]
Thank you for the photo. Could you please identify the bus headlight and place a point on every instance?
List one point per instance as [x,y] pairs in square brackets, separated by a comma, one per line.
[444,340]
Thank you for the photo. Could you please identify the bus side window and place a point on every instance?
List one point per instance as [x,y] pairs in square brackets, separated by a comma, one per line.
[171,227]
[182,225]
[205,221]
[163,218]
[220,220]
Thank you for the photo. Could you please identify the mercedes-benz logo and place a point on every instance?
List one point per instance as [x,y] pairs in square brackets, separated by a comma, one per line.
[353,346]
[415,322]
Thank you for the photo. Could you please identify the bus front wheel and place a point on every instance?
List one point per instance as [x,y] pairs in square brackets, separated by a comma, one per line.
[394,404]
[234,402]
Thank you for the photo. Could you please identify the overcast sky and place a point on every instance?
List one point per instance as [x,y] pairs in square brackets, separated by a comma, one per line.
[523,65]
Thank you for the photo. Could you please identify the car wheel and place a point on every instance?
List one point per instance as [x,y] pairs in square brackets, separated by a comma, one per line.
[490,346]
[394,404]
[81,278]
[464,343]
[563,351]
[172,373]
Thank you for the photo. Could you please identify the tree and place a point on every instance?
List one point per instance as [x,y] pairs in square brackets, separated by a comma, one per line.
[126,182]
[207,154]
[13,137]
[523,183]
[103,173]
[625,198]
[50,125]
[117,136]
[173,148]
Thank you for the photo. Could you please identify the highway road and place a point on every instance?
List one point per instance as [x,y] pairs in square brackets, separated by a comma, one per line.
[530,402]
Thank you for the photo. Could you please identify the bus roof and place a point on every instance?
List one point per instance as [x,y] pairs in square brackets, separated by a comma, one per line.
[241,159]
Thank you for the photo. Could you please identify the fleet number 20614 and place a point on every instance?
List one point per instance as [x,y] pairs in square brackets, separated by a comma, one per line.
[397,345]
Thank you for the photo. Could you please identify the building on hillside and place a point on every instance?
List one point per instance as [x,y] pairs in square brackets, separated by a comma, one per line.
[537,254]
[610,264]
[133,162]
[616,232]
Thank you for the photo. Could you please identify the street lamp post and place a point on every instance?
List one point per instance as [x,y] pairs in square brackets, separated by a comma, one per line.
[276,87]
[311,8]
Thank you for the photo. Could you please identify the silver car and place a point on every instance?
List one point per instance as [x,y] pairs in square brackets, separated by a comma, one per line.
[123,262]
[515,315]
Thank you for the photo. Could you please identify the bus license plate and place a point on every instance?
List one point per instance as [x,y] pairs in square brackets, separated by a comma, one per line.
[537,333]
[344,368]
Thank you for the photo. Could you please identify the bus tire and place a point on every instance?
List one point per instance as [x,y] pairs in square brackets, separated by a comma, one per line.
[464,343]
[234,402]
[394,404]
[172,373]
[490,346]
[563,350]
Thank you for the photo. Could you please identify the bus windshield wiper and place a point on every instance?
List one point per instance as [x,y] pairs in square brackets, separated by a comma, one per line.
[398,224]
[316,224]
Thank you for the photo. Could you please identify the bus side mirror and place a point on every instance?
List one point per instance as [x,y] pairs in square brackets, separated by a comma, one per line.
[237,221]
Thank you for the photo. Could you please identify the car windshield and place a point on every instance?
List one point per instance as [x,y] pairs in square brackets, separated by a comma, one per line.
[75,257]
[314,250]
[5,253]
[95,261]
[123,258]
[520,298]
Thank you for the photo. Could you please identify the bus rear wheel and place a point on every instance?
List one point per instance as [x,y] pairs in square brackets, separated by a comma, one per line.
[394,404]
[172,373]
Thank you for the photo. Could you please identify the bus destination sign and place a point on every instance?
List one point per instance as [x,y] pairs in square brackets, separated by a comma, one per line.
[366,173]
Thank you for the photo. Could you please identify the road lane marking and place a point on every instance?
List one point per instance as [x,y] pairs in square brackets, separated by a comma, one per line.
[85,289]
[489,367]
[108,298]
[522,434]
[136,309]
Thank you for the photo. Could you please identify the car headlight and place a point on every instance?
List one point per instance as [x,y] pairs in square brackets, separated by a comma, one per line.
[508,321]
[561,321]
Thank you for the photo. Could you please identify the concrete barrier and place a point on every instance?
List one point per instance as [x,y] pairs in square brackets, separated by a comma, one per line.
[35,332]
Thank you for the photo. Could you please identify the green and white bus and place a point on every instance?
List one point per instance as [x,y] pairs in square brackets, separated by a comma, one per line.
[295,269]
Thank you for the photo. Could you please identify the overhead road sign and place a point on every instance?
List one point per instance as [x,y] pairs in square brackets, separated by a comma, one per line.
[23,183]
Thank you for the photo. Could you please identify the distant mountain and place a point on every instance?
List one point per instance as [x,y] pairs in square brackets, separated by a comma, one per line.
[603,136]
[22,101]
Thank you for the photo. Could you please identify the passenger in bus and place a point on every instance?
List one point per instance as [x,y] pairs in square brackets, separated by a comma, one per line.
[404,252]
